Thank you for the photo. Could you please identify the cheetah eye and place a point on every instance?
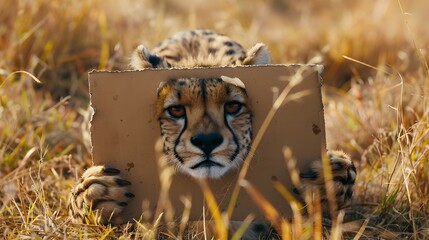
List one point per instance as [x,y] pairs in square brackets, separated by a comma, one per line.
[177,111]
[233,107]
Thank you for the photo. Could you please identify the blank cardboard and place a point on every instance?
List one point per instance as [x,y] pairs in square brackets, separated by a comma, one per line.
[124,132]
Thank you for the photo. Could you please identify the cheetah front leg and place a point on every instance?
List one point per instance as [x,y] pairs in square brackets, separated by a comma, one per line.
[102,190]
[343,176]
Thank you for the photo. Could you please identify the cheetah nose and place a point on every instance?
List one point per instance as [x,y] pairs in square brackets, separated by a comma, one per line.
[207,142]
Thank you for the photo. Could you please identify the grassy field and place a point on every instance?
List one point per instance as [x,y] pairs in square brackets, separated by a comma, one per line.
[376,98]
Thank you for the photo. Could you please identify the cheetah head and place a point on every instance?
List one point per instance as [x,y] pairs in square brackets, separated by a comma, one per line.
[206,125]
[233,56]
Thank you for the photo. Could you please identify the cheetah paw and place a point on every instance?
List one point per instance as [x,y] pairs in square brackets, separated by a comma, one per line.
[102,190]
[343,175]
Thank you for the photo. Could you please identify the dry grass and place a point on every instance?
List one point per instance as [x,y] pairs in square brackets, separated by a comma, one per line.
[379,115]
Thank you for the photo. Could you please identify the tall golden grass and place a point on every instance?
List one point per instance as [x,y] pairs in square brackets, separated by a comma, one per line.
[376,101]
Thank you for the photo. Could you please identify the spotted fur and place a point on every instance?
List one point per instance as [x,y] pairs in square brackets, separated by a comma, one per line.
[207,141]
[206,128]
[198,48]
[343,176]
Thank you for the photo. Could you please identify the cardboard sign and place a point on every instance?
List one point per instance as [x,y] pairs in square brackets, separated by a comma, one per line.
[124,132]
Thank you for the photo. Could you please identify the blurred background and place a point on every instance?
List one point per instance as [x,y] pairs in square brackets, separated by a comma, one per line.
[59,41]
[375,79]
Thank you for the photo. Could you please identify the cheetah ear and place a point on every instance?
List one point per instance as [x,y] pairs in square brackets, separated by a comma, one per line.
[234,81]
[161,85]
[257,55]
[142,58]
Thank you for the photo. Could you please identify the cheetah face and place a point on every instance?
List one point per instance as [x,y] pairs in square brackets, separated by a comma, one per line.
[206,125]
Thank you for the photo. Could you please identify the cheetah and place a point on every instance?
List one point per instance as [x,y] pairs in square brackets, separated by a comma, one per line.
[206,125]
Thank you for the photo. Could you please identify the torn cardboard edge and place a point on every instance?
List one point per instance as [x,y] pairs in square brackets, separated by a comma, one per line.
[318,67]
[125,130]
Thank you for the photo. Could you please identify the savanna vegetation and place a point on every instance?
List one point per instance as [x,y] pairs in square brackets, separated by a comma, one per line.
[376,99]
